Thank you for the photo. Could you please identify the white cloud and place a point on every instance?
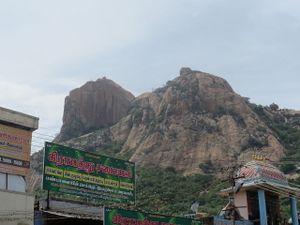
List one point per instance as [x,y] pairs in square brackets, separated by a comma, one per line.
[33,101]
[49,48]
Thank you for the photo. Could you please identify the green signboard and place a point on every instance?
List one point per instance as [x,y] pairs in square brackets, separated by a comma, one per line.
[113,216]
[88,175]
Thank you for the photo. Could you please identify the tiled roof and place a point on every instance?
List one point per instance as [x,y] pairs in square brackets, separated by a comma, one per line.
[258,171]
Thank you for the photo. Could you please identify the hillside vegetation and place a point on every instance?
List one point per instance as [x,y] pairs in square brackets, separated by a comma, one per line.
[164,191]
[287,133]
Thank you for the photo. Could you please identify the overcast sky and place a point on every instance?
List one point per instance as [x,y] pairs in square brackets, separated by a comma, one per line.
[48,48]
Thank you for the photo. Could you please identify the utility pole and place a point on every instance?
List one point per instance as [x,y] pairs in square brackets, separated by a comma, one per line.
[48,200]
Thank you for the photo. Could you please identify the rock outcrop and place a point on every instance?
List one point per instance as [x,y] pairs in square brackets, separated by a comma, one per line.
[97,104]
[193,122]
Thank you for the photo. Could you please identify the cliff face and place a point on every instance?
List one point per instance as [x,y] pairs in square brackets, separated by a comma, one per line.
[93,106]
[196,121]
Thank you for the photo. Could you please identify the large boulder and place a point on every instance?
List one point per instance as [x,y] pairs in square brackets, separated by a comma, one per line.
[97,104]
[193,123]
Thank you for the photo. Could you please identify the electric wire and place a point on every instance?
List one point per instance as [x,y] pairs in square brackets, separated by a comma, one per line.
[46,135]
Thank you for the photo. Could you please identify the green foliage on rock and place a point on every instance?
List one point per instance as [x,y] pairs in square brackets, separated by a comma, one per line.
[206,166]
[114,150]
[287,167]
[288,135]
[111,149]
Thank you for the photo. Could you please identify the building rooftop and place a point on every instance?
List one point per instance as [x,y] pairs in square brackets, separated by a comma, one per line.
[260,171]
[18,119]
[262,175]
[73,209]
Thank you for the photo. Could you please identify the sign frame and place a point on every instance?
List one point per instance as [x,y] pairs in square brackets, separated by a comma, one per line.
[88,175]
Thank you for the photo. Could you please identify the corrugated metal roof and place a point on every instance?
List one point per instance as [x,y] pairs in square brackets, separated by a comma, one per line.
[73,210]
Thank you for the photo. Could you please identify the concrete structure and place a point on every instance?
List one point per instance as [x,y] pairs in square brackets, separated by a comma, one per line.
[18,119]
[16,206]
[257,193]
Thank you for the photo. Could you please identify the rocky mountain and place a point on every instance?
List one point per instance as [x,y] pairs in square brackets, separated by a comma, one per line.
[193,124]
[97,104]
[282,116]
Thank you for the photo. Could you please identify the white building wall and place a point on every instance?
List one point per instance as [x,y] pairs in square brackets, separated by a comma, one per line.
[16,208]
[2,181]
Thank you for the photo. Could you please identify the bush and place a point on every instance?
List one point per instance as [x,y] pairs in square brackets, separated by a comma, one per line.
[206,166]
[287,167]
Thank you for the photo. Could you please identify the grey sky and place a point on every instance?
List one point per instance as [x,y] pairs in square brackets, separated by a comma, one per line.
[49,48]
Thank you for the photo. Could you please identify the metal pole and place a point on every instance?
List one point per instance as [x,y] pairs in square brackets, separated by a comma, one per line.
[262,207]
[293,202]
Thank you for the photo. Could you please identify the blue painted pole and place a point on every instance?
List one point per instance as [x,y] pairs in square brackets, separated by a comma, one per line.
[262,207]
[294,211]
